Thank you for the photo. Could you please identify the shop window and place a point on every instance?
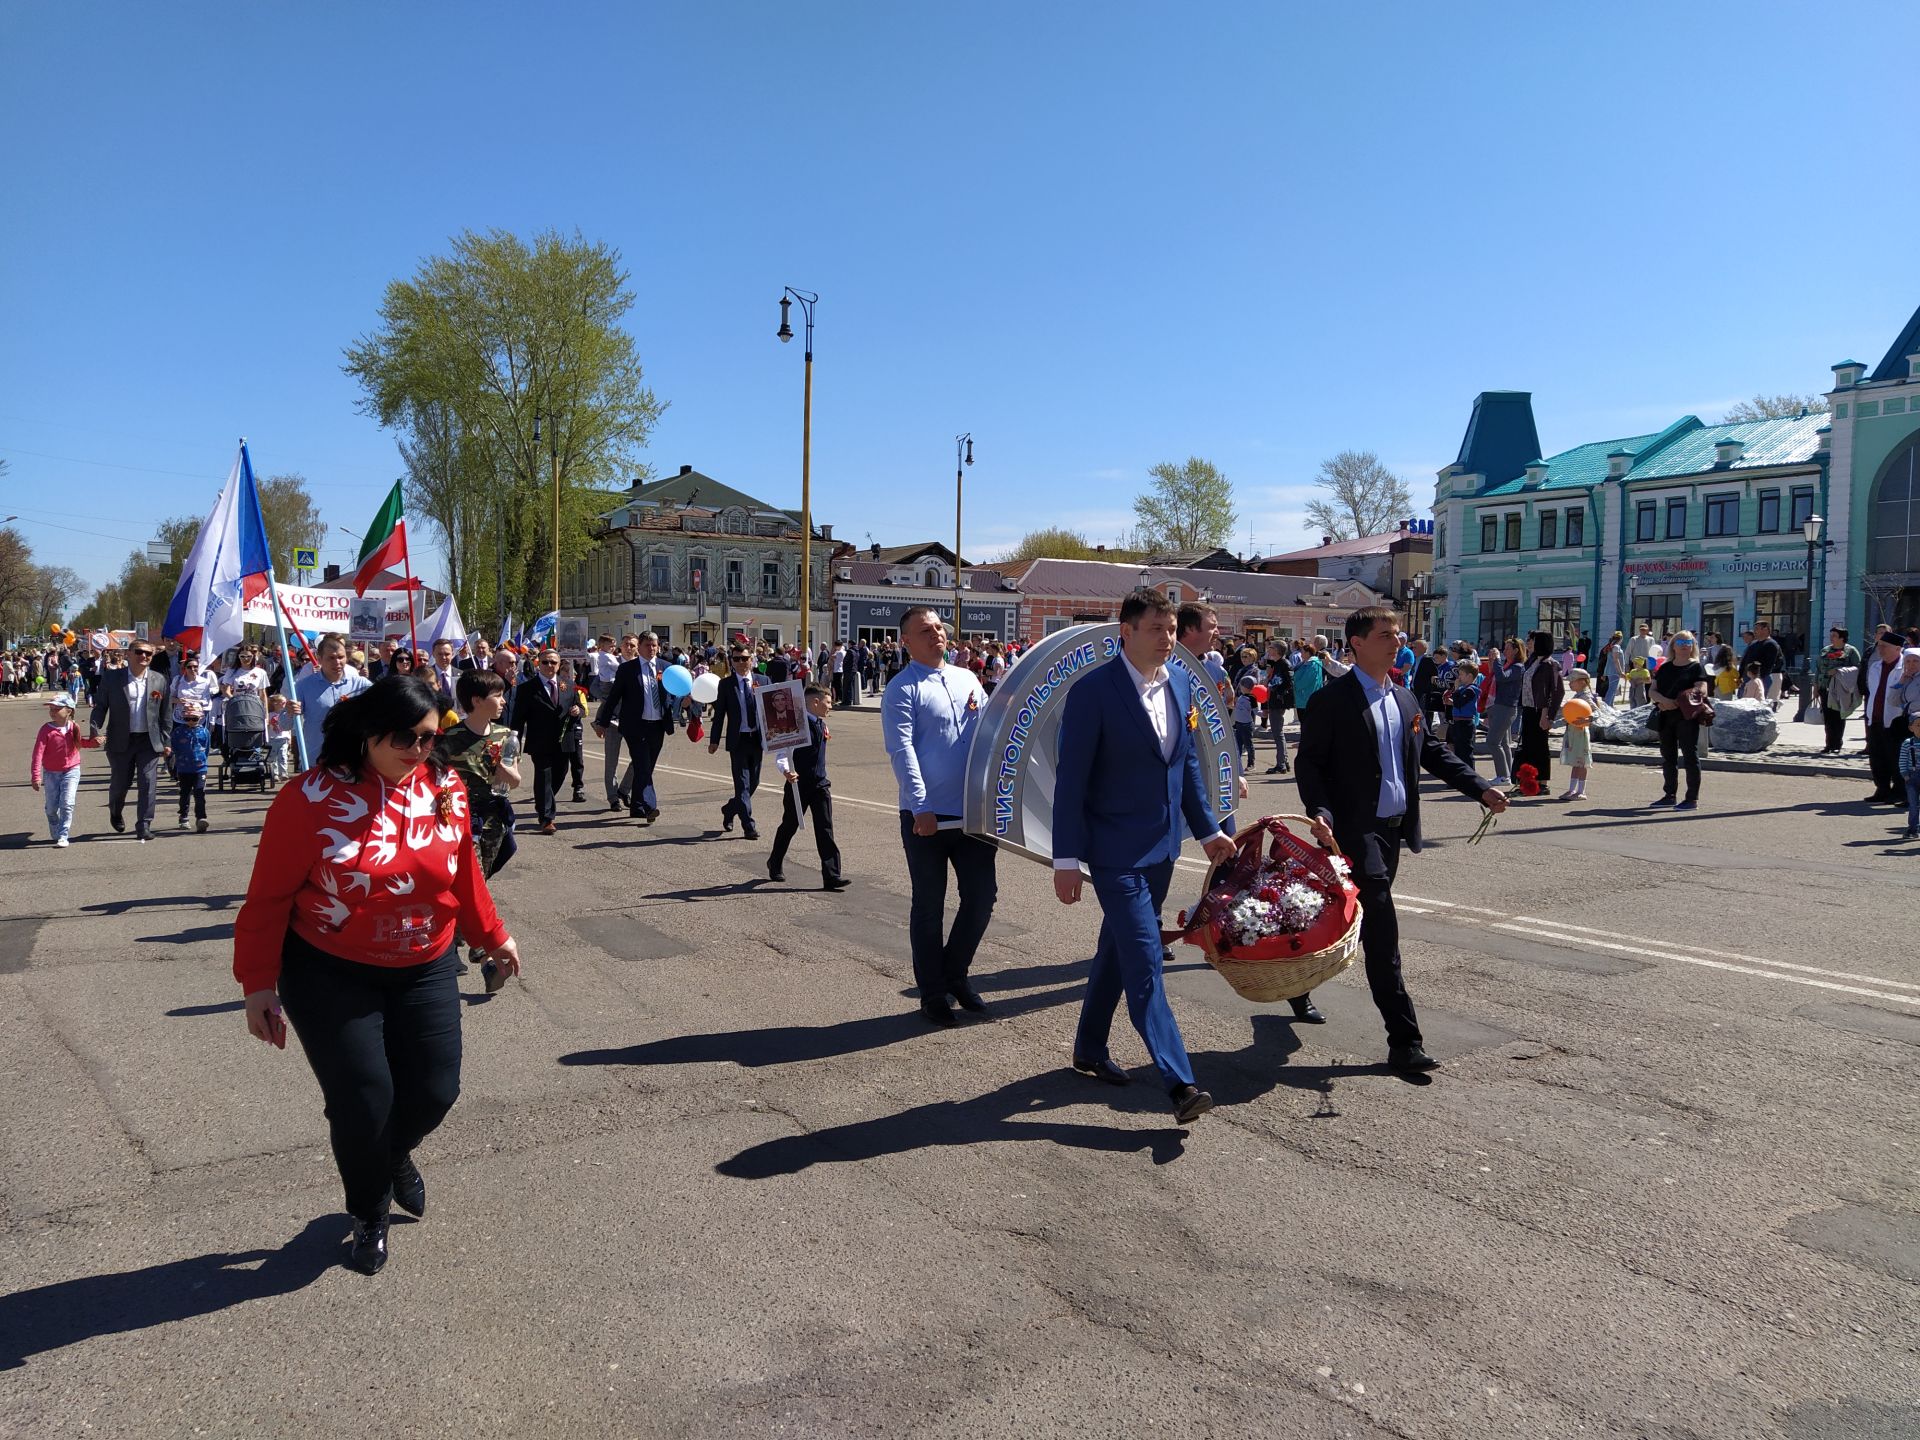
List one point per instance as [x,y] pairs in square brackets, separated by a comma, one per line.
[1786,611]
[1723,514]
[1560,617]
[1661,612]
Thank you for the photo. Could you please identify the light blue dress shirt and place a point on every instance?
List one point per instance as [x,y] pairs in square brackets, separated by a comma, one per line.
[927,717]
[1387,727]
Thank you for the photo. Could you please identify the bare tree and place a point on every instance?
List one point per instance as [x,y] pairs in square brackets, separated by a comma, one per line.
[1775,407]
[1363,496]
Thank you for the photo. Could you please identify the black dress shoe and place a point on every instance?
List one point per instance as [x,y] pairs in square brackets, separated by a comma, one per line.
[1102,1069]
[750,830]
[1663,802]
[1410,1058]
[776,875]
[969,999]
[838,885]
[409,1190]
[653,813]
[726,819]
[578,796]
[1190,1102]
[1306,1012]
[939,1011]
[369,1250]
[1276,769]
[118,821]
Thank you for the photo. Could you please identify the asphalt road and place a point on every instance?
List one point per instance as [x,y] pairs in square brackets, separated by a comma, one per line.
[711,1176]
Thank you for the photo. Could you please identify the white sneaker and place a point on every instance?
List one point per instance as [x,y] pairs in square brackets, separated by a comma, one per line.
[183,822]
[61,843]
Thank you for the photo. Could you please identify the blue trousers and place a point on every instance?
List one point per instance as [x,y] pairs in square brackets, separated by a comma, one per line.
[744,760]
[1128,958]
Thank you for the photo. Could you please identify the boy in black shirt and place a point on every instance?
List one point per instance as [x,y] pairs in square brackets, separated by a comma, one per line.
[808,788]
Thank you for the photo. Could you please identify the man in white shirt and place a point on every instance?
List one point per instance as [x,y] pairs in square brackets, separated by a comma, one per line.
[443,676]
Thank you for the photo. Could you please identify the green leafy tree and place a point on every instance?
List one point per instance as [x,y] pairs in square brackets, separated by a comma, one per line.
[1054,543]
[1775,407]
[291,518]
[1187,507]
[1363,497]
[470,350]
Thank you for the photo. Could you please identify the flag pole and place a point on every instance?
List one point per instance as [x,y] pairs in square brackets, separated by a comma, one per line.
[406,567]
[286,659]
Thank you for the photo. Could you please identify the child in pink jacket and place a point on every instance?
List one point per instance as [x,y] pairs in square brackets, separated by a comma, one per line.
[56,762]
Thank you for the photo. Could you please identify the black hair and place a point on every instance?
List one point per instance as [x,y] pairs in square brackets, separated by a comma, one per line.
[1542,644]
[477,685]
[391,704]
[1361,622]
[1143,600]
[1191,616]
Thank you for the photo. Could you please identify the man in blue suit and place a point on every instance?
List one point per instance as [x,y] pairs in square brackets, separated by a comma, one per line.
[1127,774]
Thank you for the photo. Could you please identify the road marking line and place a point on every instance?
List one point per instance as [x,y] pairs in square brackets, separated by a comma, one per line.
[1575,941]
[1584,930]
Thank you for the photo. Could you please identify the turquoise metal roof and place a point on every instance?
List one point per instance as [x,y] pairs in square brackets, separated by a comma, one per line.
[1581,466]
[1792,440]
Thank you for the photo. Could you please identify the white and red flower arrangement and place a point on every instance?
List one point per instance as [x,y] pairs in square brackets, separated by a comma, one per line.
[1275,902]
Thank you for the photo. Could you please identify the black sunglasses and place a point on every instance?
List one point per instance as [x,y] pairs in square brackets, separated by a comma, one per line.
[414,739]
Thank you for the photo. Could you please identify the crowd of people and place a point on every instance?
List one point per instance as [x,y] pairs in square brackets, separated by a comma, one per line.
[371,875]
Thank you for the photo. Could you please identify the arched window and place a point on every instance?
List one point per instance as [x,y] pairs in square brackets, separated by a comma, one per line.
[1893,525]
[933,579]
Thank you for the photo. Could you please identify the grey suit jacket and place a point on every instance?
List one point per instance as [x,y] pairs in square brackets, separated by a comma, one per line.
[111,709]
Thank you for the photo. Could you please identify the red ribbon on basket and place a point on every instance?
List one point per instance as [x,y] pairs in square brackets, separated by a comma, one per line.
[1231,877]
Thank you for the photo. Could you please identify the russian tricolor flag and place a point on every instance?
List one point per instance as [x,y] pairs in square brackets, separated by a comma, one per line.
[227,567]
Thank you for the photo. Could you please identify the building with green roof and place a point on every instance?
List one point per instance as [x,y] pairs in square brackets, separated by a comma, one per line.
[1874,503]
[1693,527]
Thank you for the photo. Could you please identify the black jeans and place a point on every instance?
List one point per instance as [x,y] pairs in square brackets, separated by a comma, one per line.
[1679,745]
[549,773]
[1536,745]
[1375,854]
[1883,758]
[384,1043]
[818,802]
[1836,724]
[940,967]
[193,793]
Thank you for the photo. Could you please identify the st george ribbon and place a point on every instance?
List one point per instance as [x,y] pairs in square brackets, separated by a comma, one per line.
[1010,767]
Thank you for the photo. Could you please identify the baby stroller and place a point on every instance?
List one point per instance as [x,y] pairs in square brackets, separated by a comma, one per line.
[243,758]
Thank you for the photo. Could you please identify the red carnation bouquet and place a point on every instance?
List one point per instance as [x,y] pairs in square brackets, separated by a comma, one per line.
[1527,779]
[1278,901]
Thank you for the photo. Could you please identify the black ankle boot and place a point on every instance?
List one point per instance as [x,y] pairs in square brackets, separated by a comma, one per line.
[369,1250]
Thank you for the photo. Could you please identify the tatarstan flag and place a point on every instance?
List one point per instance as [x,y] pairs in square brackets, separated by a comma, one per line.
[385,547]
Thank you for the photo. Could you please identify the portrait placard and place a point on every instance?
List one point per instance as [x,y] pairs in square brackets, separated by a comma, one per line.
[367,620]
[783,715]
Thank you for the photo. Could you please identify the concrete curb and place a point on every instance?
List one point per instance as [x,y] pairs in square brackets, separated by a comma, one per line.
[1648,755]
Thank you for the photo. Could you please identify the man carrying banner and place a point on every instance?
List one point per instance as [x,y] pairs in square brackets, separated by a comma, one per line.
[1127,774]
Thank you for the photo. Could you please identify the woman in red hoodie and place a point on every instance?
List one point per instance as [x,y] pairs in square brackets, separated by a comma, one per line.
[364,873]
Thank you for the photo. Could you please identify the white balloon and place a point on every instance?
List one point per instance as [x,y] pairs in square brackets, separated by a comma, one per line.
[706,688]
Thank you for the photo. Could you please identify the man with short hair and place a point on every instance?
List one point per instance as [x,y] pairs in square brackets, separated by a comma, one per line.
[1886,725]
[639,705]
[927,717]
[381,661]
[1765,652]
[443,677]
[1124,782]
[132,704]
[542,709]
[318,691]
[1363,742]
[736,723]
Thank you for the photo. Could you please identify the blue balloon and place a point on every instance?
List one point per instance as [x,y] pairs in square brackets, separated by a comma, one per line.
[678,680]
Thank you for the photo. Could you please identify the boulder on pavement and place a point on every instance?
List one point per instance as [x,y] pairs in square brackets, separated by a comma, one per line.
[1743,727]
[1623,727]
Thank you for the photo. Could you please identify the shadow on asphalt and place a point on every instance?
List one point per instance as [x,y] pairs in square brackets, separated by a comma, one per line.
[53,1316]
[16,840]
[155,902]
[1642,815]
[193,935]
[225,1007]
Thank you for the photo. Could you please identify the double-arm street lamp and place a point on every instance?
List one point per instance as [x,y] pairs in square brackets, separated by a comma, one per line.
[1810,531]
[807,301]
[962,457]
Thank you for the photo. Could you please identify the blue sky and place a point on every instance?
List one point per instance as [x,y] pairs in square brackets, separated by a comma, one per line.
[1096,235]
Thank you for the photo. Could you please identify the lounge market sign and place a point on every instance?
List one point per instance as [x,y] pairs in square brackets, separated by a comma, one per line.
[1732,569]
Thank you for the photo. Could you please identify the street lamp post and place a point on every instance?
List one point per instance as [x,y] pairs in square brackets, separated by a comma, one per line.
[553,446]
[1810,531]
[808,299]
[962,457]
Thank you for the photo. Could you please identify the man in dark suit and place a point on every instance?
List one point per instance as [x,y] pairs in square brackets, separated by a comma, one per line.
[643,709]
[542,710]
[736,723]
[132,704]
[1126,775]
[1363,743]
[808,789]
[443,676]
[1424,683]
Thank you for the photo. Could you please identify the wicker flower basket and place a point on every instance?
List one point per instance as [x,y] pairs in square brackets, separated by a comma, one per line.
[1281,967]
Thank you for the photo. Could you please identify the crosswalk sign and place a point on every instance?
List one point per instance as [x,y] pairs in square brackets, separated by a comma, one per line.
[306,557]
